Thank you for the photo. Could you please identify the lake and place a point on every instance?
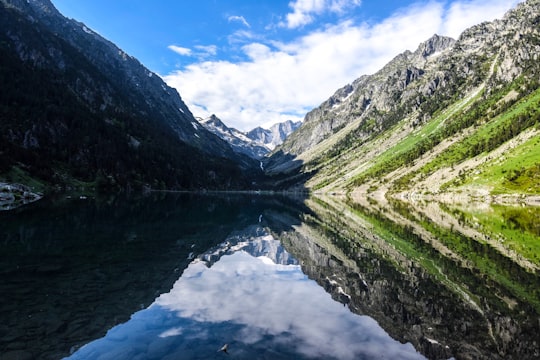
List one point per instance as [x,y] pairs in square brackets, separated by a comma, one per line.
[184,276]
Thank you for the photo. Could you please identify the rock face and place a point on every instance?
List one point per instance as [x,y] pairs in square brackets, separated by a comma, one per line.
[274,136]
[414,86]
[371,95]
[237,139]
[255,143]
[96,110]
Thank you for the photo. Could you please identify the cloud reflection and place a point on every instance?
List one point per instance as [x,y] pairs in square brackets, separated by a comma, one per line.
[258,306]
[280,301]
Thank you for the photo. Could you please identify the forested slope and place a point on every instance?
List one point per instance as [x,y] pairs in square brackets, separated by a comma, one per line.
[75,110]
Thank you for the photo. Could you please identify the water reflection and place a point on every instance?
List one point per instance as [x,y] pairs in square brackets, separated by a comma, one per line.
[450,291]
[251,294]
[271,277]
[71,269]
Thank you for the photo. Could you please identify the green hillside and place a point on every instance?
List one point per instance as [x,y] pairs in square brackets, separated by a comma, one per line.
[453,119]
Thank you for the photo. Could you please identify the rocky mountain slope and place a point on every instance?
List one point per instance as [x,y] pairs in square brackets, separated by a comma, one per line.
[75,109]
[452,116]
[237,139]
[255,143]
[274,136]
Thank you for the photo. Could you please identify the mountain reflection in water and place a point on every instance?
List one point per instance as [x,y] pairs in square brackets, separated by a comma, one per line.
[272,277]
[251,294]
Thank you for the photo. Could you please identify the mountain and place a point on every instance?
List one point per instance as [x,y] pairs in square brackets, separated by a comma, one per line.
[453,117]
[237,139]
[256,143]
[275,135]
[75,110]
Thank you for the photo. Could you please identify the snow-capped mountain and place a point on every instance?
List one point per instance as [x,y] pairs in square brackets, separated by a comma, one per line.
[275,135]
[255,143]
[239,142]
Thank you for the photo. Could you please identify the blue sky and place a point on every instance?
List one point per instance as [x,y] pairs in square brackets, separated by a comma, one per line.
[255,63]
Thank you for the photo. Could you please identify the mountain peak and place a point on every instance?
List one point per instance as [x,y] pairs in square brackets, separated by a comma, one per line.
[433,45]
[255,143]
[275,135]
[214,121]
[115,104]
[238,141]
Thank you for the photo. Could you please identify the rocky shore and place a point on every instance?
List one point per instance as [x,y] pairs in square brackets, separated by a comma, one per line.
[15,195]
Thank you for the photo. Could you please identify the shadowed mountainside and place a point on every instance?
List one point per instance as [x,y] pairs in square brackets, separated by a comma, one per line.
[75,110]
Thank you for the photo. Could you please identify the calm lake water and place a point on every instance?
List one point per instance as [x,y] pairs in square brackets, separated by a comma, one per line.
[179,276]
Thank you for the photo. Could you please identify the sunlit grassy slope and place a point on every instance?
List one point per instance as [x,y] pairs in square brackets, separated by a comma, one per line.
[488,129]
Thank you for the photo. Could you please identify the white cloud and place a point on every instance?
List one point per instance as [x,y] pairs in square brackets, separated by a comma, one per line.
[201,52]
[240,19]
[462,14]
[261,284]
[281,81]
[180,50]
[206,50]
[304,10]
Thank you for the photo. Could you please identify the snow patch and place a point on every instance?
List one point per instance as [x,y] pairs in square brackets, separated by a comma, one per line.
[332,282]
[435,54]
[343,100]
[348,96]
[123,55]
[340,290]
[87,30]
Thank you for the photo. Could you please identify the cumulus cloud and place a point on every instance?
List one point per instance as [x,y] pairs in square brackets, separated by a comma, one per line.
[180,50]
[239,19]
[277,81]
[206,50]
[462,14]
[201,52]
[304,11]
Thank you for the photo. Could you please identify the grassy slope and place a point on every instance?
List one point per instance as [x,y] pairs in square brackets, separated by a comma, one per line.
[495,120]
[517,172]
[498,154]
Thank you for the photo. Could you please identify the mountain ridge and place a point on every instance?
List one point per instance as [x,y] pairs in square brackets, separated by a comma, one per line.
[479,91]
[275,135]
[99,118]
[256,143]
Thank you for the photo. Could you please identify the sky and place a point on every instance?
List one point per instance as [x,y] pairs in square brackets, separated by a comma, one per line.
[258,62]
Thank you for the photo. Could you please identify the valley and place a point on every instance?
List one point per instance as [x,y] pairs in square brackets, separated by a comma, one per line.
[399,219]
